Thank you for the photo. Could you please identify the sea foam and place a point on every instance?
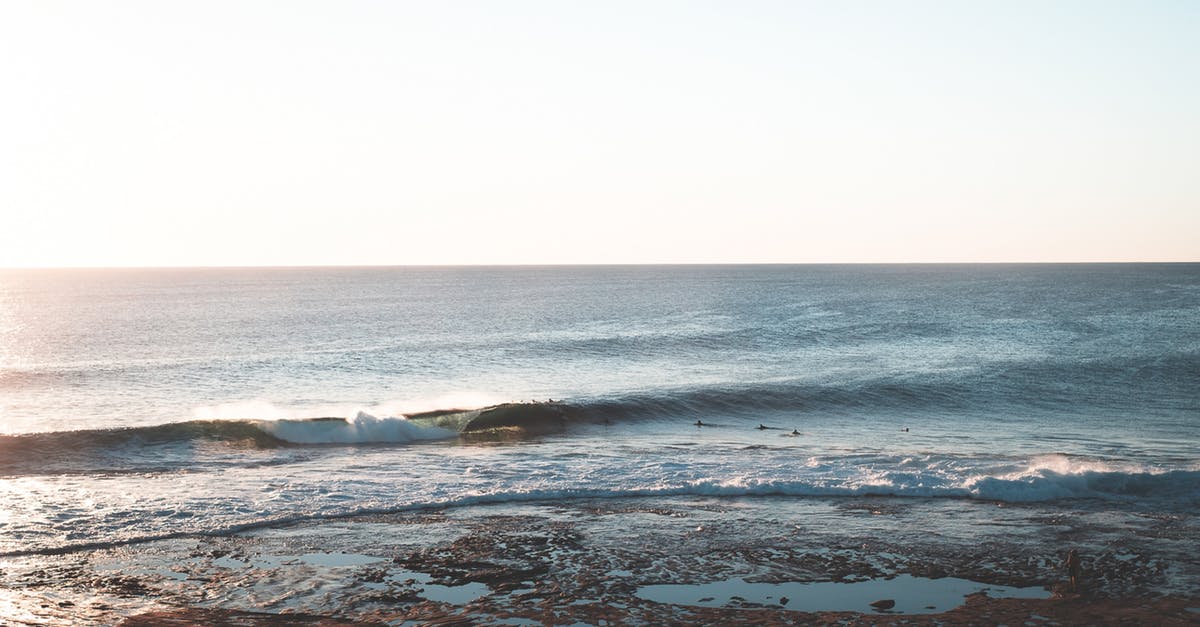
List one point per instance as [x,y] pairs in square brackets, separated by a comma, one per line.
[363,428]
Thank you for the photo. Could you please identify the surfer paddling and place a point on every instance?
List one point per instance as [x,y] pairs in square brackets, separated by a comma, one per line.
[699,424]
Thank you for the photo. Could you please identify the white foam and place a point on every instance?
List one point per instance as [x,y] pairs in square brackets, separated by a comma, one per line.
[1050,477]
[363,428]
[465,476]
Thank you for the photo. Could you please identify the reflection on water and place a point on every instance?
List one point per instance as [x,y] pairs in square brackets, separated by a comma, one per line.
[912,595]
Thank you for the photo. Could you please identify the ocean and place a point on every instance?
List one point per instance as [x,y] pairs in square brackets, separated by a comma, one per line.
[178,404]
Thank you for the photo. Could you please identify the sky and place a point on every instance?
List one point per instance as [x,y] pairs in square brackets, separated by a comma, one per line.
[358,132]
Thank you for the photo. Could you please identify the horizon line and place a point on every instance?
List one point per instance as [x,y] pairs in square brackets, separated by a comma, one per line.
[597,265]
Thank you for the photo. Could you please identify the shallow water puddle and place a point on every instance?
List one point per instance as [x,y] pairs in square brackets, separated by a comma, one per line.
[454,595]
[326,560]
[913,595]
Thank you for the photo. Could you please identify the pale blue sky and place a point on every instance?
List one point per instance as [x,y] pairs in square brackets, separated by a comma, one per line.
[352,132]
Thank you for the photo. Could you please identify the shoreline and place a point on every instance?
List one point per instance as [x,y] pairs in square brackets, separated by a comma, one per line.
[598,561]
[977,609]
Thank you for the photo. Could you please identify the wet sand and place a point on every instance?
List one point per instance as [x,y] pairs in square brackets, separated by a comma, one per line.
[762,560]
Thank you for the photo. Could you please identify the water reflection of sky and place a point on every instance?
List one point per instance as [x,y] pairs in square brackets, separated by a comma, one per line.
[912,595]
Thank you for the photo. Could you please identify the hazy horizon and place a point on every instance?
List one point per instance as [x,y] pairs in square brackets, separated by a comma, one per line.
[245,134]
[351,266]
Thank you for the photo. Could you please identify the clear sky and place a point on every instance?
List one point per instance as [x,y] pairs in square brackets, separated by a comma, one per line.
[369,132]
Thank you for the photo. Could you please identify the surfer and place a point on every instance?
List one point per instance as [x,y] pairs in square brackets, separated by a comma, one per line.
[795,432]
[1073,568]
[761,426]
[699,424]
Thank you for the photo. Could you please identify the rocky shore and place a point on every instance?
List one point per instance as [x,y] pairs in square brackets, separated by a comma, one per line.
[768,560]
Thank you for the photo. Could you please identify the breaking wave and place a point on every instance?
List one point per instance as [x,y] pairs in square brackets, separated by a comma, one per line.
[949,393]
[114,450]
[361,429]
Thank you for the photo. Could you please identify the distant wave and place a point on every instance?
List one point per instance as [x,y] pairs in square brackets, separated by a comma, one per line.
[746,399]
[1030,386]
[110,450]
[1027,386]
[43,451]
[32,450]
[35,445]
[703,402]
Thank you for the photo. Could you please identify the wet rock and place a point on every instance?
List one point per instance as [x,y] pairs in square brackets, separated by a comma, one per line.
[883,604]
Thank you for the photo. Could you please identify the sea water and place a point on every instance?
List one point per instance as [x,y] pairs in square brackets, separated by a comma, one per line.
[141,404]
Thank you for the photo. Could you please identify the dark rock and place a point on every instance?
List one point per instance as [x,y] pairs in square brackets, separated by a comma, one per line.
[883,604]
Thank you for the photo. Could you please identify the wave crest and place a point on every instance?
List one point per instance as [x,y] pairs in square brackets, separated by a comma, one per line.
[150,447]
[363,428]
[1051,485]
